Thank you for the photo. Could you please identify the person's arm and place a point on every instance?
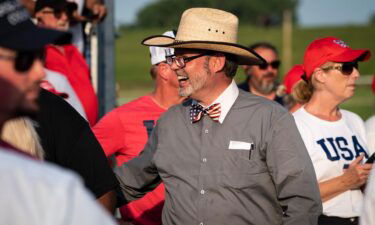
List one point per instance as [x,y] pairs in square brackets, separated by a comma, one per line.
[108,200]
[292,171]
[88,159]
[353,178]
[69,142]
[140,175]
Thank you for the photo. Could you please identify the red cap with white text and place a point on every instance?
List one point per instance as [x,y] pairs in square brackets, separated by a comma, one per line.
[331,49]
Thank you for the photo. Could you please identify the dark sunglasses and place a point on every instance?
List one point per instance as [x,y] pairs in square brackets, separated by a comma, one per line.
[345,68]
[24,60]
[274,64]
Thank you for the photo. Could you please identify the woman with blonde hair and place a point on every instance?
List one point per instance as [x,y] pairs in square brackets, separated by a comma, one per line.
[20,133]
[291,81]
[335,138]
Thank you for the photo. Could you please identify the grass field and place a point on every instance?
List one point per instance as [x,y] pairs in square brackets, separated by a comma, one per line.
[133,63]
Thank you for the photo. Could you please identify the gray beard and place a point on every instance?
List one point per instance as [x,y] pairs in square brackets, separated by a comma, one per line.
[264,88]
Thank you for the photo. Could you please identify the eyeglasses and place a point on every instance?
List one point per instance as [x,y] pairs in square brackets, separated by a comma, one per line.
[182,60]
[24,60]
[57,13]
[346,68]
[274,64]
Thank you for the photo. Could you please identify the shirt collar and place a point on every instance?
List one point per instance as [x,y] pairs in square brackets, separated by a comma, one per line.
[226,100]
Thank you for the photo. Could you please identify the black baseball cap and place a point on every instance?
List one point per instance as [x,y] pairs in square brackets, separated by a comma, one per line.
[59,5]
[18,32]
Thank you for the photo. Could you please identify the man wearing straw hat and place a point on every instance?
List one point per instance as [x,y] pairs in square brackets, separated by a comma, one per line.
[225,156]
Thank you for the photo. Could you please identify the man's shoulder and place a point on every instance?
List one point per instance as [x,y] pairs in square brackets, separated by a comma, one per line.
[54,109]
[43,186]
[251,101]
[20,168]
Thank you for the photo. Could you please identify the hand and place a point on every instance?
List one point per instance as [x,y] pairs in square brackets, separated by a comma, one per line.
[100,11]
[357,173]
[75,17]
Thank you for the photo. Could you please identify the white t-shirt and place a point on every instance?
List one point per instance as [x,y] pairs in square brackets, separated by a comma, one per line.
[368,212]
[37,193]
[370,132]
[331,145]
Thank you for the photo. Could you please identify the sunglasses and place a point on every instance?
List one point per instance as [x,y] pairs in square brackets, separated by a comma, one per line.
[24,60]
[274,64]
[345,68]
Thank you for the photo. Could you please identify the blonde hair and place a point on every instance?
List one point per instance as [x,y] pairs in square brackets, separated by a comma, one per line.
[20,133]
[302,91]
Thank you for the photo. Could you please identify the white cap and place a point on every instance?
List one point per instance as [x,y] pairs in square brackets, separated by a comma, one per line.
[158,54]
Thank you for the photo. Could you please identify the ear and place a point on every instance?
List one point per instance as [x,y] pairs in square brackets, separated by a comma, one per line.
[246,68]
[162,71]
[217,62]
[38,16]
[319,75]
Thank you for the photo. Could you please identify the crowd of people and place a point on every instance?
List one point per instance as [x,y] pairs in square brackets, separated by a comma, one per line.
[199,149]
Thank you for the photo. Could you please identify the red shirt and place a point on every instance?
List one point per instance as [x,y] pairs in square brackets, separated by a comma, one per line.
[72,65]
[123,132]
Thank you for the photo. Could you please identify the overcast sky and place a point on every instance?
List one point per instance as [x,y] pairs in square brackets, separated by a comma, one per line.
[310,12]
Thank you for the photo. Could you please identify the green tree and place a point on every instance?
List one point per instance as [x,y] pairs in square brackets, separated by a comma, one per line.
[167,13]
[372,19]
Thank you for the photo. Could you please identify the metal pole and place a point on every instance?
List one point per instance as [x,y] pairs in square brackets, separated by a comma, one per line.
[287,40]
[106,61]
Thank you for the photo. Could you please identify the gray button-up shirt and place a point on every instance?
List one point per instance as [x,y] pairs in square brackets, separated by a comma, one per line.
[251,169]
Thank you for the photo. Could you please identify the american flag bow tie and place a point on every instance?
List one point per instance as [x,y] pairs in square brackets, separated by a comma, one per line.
[197,112]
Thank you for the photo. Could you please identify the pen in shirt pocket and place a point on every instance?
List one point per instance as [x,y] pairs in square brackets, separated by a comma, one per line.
[251,149]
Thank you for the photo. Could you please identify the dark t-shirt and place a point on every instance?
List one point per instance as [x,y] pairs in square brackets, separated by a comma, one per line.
[245,86]
[69,142]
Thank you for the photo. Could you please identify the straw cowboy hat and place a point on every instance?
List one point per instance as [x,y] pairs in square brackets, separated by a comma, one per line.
[208,29]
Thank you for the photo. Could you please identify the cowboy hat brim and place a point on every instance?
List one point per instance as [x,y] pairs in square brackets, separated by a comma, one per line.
[243,55]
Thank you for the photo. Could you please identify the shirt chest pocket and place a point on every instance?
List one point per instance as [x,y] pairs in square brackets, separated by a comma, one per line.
[241,167]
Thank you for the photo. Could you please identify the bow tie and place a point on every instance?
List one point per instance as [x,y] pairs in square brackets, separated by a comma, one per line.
[197,112]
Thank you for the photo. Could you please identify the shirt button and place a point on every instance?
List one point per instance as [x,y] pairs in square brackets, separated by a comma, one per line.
[204,160]
[206,131]
[202,192]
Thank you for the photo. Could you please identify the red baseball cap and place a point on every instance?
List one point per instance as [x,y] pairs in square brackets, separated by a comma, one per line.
[373,83]
[331,49]
[292,77]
